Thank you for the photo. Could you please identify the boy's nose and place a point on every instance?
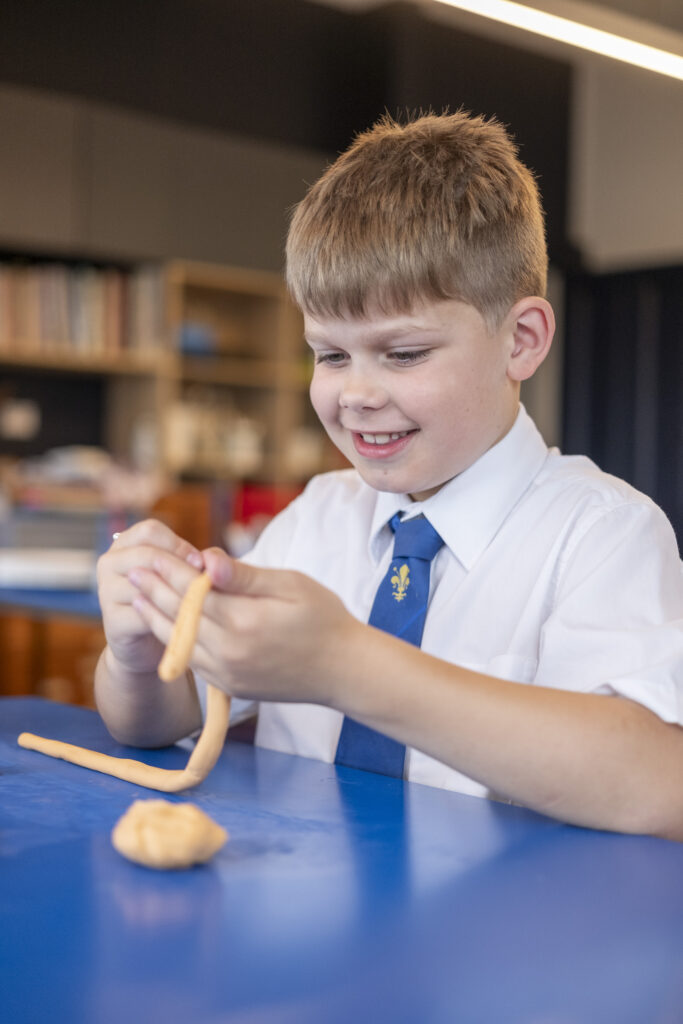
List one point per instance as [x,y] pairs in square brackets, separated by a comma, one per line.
[361,392]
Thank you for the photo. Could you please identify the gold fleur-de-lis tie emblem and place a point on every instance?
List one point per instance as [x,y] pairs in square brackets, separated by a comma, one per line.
[400,582]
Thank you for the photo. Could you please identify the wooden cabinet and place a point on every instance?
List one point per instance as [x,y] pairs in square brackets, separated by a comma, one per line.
[50,655]
[194,372]
[202,369]
[240,378]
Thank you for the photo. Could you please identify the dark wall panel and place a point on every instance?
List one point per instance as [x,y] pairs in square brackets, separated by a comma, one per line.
[623,378]
[283,70]
[290,71]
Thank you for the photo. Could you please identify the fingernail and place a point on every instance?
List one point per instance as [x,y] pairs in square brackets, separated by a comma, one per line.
[195,559]
[134,577]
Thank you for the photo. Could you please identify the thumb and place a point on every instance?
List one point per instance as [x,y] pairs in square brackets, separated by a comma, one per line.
[232,576]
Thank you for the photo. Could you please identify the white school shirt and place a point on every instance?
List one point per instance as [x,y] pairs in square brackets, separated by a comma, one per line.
[552,573]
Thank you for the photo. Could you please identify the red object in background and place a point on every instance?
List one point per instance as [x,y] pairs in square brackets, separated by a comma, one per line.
[253,501]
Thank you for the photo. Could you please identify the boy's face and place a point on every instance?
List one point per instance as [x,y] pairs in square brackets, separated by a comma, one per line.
[412,399]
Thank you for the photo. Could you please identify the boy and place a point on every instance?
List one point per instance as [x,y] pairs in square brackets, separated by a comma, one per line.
[419,262]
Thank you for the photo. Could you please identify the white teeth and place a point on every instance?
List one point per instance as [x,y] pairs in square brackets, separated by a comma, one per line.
[382,438]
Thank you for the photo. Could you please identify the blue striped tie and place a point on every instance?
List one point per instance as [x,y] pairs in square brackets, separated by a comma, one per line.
[400,608]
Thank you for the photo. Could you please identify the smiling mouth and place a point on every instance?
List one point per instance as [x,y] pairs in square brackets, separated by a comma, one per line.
[381,446]
[383,438]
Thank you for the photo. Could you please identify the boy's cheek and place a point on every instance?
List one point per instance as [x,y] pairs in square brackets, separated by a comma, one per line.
[323,401]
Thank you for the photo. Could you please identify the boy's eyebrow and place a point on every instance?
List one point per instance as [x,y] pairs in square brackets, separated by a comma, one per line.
[311,339]
[380,336]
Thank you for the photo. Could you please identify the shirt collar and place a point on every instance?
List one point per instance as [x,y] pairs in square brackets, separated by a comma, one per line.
[469,510]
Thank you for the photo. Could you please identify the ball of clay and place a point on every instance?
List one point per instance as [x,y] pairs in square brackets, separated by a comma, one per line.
[160,834]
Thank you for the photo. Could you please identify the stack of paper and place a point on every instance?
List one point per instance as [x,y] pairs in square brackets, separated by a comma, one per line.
[50,569]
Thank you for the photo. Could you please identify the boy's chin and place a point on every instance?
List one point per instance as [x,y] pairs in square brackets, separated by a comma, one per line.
[417,490]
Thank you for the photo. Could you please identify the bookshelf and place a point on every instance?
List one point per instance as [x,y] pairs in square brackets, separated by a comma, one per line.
[206,361]
[240,378]
[194,371]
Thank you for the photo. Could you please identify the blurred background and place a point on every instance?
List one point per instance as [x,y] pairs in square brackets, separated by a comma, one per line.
[150,362]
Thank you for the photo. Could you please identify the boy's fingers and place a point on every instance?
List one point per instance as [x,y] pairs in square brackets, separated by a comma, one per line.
[163,588]
[150,558]
[157,621]
[151,534]
[235,577]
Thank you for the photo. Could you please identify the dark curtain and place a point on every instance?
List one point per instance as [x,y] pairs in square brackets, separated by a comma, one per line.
[623,382]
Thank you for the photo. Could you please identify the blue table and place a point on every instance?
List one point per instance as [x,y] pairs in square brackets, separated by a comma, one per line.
[80,603]
[340,897]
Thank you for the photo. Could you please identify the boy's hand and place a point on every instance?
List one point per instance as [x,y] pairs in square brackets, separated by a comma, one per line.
[280,630]
[133,557]
[265,634]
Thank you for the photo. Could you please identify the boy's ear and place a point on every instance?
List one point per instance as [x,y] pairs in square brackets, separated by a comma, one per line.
[532,326]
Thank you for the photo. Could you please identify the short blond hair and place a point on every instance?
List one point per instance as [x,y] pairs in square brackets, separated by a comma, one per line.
[440,207]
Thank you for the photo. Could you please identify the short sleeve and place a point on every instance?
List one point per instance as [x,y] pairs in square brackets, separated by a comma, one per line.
[616,624]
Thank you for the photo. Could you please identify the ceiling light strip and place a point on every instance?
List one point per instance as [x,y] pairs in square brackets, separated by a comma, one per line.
[575,34]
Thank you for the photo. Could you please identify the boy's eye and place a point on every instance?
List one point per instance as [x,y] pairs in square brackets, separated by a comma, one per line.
[331,358]
[405,358]
[401,357]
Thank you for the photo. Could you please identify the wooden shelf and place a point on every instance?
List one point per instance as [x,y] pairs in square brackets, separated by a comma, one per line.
[59,359]
[248,373]
[255,351]
[188,274]
[245,393]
